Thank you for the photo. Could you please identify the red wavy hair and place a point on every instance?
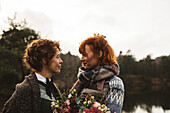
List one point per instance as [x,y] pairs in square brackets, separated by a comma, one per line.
[98,43]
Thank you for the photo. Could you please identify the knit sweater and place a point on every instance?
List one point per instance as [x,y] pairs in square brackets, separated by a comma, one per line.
[103,84]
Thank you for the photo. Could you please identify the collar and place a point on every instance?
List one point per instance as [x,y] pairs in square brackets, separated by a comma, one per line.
[41,78]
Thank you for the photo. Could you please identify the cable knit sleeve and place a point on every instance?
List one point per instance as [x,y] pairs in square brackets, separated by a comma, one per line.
[115,95]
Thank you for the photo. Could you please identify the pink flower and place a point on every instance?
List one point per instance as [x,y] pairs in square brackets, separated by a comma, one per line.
[68,102]
[65,108]
[96,104]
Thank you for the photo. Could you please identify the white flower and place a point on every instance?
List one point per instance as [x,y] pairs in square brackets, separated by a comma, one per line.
[69,96]
[53,103]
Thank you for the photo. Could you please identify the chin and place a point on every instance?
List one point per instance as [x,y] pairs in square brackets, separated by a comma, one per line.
[87,68]
[56,72]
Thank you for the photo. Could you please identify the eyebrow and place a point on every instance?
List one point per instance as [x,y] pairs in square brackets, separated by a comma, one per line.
[58,54]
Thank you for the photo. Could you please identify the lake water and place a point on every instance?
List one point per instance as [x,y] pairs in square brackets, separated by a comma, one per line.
[147,102]
[143,109]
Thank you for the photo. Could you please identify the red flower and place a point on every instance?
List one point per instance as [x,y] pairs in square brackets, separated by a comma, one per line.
[95,110]
[72,99]
[86,110]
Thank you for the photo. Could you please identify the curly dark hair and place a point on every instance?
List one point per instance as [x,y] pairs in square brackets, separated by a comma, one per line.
[37,50]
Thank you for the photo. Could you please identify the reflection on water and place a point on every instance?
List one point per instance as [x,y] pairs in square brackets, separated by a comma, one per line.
[142,109]
[147,101]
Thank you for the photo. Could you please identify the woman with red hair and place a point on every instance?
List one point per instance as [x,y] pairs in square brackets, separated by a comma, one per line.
[98,75]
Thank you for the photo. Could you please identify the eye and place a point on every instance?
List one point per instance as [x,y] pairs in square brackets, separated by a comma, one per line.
[84,55]
[58,56]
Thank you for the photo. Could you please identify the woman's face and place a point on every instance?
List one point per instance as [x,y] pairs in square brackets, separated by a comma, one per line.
[55,63]
[90,60]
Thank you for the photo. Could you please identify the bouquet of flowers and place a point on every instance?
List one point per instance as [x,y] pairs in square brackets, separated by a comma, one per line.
[74,104]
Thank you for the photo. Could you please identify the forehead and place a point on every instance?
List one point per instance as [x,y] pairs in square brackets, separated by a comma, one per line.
[89,51]
[57,51]
[88,48]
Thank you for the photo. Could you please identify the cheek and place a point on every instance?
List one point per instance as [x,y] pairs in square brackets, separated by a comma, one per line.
[55,62]
[90,58]
[93,61]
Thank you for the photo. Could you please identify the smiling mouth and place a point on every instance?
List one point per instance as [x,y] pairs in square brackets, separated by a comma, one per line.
[59,67]
[85,64]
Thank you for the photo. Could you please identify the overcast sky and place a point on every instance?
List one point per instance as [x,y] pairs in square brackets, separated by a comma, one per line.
[143,26]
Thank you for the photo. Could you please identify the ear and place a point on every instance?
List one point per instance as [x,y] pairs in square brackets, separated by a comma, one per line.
[43,61]
[100,54]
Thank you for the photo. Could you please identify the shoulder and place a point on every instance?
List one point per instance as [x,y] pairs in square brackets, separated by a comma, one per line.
[21,97]
[27,84]
[113,68]
[116,83]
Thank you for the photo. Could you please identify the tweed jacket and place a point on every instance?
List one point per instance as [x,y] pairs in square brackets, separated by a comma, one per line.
[26,97]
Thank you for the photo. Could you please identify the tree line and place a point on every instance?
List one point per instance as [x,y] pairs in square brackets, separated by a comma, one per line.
[147,67]
[14,40]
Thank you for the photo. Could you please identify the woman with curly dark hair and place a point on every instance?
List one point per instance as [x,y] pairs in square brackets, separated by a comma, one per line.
[99,74]
[36,92]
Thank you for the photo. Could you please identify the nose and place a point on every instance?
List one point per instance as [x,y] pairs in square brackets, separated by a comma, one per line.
[82,58]
[61,61]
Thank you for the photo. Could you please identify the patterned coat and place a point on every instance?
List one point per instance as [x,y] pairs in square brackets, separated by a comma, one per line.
[26,97]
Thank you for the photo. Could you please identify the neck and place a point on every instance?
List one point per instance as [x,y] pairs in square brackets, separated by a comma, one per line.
[45,74]
[92,68]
